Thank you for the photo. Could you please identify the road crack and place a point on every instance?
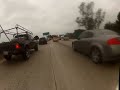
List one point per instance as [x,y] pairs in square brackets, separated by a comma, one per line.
[53,71]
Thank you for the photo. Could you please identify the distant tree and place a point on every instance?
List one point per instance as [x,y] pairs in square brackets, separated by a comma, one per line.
[108,25]
[88,18]
[99,18]
[111,26]
[118,21]
[114,26]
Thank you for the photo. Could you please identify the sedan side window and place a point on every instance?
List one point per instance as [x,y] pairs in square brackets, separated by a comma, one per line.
[82,35]
[86,35]
[89,35]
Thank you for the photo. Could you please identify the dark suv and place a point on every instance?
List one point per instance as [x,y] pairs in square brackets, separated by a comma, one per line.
[20,45]
[42,41]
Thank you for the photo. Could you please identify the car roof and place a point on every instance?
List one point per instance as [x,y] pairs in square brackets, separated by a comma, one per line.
[100,30]
[21,34]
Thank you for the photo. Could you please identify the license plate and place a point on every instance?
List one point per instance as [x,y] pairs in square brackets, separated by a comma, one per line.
[5,52]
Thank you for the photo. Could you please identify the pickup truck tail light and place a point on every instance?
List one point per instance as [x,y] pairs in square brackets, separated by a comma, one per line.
[17,46]
[113,41]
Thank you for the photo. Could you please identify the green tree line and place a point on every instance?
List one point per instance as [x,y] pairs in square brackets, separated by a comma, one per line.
[115,26]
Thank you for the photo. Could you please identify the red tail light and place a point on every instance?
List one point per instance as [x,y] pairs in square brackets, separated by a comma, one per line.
[114,41]
[17,46]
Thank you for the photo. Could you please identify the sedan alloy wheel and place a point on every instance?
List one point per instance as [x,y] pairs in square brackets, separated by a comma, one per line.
[96,55]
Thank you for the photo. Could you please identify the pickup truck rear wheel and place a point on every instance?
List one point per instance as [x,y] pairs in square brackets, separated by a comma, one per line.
[8,57]
[26,54]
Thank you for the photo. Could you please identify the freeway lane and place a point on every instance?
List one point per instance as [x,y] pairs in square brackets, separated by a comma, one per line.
[57,67]
[77,72]
[35,74]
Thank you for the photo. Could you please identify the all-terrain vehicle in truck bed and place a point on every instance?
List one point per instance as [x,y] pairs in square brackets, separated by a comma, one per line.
[21,44]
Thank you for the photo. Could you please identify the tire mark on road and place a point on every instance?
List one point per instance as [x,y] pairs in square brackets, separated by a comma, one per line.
[53,71]
[70,46]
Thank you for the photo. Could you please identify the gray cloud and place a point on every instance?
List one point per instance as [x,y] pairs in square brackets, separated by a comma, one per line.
[56,16]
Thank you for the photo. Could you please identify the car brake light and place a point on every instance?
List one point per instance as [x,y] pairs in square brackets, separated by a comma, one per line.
[114,41]
[17,46]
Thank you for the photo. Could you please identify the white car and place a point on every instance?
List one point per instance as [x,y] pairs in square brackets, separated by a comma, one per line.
[65,38]
[55,39]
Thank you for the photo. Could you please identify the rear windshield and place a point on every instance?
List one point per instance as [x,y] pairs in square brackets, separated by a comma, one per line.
[21,36]
[65,35]
[55,36]
[42,38]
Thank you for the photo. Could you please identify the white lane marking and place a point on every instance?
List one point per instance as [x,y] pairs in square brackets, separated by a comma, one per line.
[117,88]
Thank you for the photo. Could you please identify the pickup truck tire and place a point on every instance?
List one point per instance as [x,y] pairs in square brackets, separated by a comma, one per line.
[36,48]
[8,57]
[26,54]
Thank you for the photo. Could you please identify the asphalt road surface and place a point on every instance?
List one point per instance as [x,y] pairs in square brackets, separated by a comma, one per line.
[57,67]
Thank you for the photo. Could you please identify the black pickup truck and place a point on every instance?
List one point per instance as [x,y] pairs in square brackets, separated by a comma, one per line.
[21,44]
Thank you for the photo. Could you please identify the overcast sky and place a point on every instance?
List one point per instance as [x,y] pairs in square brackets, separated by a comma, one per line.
[55,16]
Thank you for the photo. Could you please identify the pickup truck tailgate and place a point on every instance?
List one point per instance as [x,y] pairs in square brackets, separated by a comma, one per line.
[8,46]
